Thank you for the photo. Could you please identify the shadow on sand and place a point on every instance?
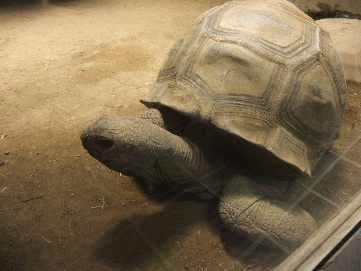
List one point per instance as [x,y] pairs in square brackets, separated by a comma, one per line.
[139,240]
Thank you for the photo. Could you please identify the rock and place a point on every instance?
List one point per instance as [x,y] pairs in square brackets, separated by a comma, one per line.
[351,7]
[345,34]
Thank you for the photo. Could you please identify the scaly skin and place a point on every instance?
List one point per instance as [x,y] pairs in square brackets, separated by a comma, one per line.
[252,208]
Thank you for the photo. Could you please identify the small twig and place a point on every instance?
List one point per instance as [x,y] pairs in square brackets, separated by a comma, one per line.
[29,199]
[44,238]
[32,173]
[250,266]
[50,161]
[2,137]
[100,206]
[3,189]
[257,264]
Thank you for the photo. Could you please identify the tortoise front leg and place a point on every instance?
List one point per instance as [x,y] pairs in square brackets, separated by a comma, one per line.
[252,208]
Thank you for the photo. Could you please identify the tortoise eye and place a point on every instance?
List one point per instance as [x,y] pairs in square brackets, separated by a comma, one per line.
[104,143]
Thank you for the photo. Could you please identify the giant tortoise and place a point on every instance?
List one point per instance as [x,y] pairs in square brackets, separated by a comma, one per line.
[248,98]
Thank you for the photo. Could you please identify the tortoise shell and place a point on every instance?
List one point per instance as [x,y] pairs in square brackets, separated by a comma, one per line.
[261,70]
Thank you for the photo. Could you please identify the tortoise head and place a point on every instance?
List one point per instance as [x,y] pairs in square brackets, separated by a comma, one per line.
[109,141]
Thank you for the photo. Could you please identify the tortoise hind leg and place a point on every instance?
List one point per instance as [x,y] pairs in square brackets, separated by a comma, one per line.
[252,208]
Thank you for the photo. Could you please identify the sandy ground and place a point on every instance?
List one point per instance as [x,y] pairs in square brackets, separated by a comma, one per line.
[63,65]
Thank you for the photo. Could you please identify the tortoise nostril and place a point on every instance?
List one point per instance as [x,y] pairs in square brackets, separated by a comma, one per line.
[105,143]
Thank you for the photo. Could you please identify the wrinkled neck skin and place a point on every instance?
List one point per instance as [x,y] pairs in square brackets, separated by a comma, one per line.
[199,159]
[141,149]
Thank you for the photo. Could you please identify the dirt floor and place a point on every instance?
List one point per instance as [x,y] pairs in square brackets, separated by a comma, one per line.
[64,64]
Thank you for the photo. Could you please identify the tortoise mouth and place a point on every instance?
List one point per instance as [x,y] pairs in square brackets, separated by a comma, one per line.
[93,144]
[85,137]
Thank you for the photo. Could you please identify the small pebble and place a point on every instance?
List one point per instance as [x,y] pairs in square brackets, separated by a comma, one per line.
[72,195]
[3,163]
[7,153]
